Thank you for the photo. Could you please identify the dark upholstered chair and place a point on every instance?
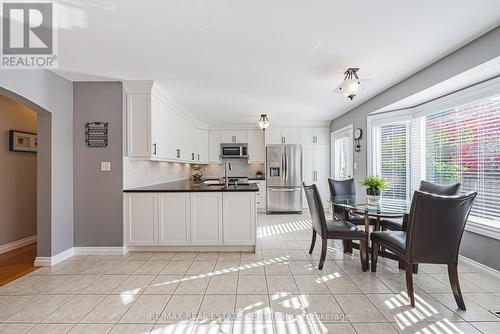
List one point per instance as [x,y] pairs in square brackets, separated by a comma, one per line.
[434,232]
[398,224]
[332,229]
[345,188]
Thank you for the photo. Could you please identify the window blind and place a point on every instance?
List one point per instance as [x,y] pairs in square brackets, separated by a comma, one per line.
[393,161]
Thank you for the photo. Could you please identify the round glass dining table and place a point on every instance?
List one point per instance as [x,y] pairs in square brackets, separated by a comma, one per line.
[385,208]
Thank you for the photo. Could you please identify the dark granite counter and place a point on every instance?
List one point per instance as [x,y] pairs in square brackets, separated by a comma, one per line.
[189,186]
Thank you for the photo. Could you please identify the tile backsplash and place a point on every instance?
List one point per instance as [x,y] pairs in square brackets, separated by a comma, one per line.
[241,167]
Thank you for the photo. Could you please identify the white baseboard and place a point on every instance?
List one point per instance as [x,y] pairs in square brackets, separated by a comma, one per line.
[48,261]
[200,248]
[17,244]
[479,265]
[99,250]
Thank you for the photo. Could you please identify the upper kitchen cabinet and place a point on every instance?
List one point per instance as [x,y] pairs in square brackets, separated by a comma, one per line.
[214,141]
[256,146]
[201,146]
[316,135]
[234,136]
[283,136]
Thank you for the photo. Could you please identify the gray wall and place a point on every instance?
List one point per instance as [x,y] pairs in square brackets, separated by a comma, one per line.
[479,51]
[51,96]
[97,195]
[18,176]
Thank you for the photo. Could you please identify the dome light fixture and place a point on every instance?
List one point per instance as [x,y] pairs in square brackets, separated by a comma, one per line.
[263,122]
[351,84]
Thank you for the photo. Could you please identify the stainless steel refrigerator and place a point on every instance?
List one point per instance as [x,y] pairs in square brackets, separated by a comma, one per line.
[284,178]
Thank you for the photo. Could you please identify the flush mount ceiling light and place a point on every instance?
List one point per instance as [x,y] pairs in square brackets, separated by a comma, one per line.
[351,84]
[263,122]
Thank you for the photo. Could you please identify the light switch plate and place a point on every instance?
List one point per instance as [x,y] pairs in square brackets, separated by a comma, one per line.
[355,166]
[105,166]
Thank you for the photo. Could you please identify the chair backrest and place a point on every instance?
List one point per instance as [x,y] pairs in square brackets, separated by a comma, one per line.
[435,227]
[342,188]
[440,189]
[316,209]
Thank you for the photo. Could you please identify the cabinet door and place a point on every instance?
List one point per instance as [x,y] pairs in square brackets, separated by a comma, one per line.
[202,143]
[214,146]
[141,219]
[241,136]
[322,135]
[307,169]
[273,136]
[306,136]
[228,136]
[292,135]
[174,219]
[256,147]
[322,169]
[139,125]
[206,218]
[239,218]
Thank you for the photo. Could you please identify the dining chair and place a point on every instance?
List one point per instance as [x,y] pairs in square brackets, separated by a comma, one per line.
[399,224]
[434,233]
[332,229]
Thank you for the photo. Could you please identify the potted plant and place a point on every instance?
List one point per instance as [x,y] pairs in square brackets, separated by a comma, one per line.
[197,174]
[374,185]
[259,174]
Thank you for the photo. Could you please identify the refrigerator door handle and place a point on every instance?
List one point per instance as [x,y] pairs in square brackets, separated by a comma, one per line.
[282,189]
[286,166]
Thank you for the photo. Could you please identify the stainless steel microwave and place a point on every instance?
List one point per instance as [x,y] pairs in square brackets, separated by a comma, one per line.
[233,150]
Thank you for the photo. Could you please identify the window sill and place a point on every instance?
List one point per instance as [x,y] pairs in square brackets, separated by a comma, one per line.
[482,227]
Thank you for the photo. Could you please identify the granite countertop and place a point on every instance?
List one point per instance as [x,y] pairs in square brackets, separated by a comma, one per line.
[189,186]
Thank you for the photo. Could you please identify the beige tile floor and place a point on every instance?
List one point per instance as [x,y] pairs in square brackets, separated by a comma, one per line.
[276,290]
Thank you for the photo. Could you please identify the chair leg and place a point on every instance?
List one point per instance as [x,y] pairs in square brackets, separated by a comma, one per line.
[375,248]
[455,285]
[313,242]
[363,254]
[347,244]
[409,283]
[415,268]
[323,253]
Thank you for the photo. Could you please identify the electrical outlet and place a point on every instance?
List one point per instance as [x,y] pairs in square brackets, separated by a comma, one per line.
[355,166]
[105,166]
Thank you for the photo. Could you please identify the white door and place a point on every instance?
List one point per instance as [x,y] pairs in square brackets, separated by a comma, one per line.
[291,135]
[141,219]
[256,147]
[241,136]
[174,219]
[239,218]
[214,146]
[206,218]
[342,160]
[273,136]
[322,170]
[322,135]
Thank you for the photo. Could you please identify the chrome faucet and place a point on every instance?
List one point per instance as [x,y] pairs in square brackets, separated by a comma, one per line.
[226,178]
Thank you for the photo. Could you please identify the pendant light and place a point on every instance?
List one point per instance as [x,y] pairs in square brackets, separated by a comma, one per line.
[351,84]
[263,122]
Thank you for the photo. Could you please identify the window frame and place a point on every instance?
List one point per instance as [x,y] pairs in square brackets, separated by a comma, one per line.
[485,89]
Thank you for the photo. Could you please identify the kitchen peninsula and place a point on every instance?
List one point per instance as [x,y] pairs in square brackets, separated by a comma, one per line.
[186,216]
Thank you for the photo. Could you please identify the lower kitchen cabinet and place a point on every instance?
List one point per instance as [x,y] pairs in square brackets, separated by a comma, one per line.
[239,209]
[174,219]
[206,218]
[141,219]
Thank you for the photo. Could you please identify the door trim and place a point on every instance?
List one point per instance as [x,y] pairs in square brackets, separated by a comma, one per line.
[332,147]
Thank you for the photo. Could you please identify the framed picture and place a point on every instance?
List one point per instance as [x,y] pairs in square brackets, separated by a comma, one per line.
[20,141]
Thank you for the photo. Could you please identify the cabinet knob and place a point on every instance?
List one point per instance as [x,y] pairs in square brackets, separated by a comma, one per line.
[154,148]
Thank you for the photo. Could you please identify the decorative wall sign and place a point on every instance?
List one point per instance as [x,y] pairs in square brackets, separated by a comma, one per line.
[20,141]
[96,134]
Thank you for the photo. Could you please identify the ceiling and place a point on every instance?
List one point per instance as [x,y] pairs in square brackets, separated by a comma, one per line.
[228,61]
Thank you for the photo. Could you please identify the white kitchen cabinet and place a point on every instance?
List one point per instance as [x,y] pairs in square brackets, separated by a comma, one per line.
[316,168]
[283,136]
[174,219]
[239,216]
[260,196]
[214,141]
[139,143]
[206,218]
[256,146]
[234,136]
[315,135]
[141,219]
[202,142]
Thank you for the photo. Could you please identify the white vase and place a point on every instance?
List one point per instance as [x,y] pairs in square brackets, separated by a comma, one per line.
[373,199]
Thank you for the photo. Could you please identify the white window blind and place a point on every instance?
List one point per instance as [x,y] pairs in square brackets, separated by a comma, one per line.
[462,144]
[342,155]
[392,162]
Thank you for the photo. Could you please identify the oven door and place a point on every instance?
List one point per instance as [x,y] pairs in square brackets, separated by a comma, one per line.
[231,151]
